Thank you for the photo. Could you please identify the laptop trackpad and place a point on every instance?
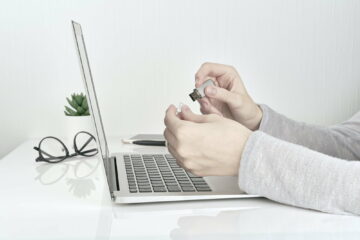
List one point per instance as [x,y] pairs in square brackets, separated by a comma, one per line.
[224,184]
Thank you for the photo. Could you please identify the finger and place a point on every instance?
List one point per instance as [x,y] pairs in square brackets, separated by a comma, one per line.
[206,107]
[171,120]
[223,95]
[187,115]
[174,153]
[170,138]
[211,70]
[199,82]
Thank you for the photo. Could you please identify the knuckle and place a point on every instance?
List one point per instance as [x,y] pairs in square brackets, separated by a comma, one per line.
[237,100]
[176,145]
[166,134]
[180,162]
[189,165]
[197,75]
[231,68]
[205,64]
[166,120]
[181,151]
[181,132]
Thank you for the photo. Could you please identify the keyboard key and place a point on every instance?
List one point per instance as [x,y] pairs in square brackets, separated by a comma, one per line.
[173,189]
[158,185]
[191,175]
[142,180]
[197,179]
[170,181]
[203,189]
[145,190]
[201,184]
[171,184]
[143,183]
[188,189]
[159,189]
[183,180]
[170,177]
[155,182]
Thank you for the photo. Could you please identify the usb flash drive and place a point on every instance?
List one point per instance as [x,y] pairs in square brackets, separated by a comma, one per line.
[199,92]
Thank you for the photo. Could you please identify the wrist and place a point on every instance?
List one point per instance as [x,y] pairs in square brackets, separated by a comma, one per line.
[257,119]
[255,115]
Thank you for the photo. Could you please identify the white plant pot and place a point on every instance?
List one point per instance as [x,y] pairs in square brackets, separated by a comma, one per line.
[75,124]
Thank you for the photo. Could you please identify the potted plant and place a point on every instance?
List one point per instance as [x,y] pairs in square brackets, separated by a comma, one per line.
[78,115]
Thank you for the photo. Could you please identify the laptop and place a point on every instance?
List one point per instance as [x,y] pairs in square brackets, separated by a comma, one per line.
[147,177]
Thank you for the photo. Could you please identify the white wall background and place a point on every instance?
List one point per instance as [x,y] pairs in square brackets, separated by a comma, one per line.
[300,57]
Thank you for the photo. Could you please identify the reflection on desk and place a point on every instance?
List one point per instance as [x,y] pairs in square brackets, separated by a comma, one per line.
[78,172]
[231,219]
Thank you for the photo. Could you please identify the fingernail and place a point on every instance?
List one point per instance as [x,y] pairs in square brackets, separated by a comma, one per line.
[211,91]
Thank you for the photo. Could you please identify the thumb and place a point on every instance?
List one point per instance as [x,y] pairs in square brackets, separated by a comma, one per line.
[223,95]
[188,115]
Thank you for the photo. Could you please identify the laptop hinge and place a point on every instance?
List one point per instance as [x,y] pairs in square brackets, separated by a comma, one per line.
[112,176]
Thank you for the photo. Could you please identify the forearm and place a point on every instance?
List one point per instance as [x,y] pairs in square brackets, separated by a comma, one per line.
[298,176]
[342,140]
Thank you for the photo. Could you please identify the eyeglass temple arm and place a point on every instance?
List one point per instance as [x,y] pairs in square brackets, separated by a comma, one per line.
[89,151]
[45,153]
[84,152]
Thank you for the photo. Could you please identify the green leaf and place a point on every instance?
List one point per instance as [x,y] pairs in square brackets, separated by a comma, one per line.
[87,113]
[72,103]
[80,110]
[85,104]
[79,100]
[70,111]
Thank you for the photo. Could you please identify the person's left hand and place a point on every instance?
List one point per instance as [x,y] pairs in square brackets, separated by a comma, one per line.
[205,145]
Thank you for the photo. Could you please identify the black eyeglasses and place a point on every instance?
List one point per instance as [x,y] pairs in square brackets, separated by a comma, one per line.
[53,150]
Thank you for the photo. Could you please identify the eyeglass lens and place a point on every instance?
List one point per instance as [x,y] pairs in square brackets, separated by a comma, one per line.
[85,144]
[51,149]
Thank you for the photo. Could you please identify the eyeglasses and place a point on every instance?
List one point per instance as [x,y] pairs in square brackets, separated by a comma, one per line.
[53,150]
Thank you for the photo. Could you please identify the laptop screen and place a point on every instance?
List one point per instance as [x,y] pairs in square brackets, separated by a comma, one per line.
[91,94]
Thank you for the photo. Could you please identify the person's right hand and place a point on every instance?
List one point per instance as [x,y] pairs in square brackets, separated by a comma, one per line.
[229,97]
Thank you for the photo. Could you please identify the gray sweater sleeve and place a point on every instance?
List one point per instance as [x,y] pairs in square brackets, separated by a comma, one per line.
[304,165]
[341,140]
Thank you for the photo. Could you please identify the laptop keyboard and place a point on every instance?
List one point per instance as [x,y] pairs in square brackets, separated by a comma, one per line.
[149,173]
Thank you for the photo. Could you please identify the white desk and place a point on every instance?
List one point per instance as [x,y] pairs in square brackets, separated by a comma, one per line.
[70,200]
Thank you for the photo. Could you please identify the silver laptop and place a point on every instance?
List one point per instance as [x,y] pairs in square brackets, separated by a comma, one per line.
[151,177]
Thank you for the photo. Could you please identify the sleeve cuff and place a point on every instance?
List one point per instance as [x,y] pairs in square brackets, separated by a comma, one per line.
[264,124]
[248,156]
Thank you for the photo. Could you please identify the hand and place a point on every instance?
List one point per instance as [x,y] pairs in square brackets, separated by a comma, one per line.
[229,97]
[205,145]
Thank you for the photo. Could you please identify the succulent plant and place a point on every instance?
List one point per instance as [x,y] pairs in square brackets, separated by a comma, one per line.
[78,105]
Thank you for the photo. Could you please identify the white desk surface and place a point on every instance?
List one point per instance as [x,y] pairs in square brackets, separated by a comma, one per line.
[70,200]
